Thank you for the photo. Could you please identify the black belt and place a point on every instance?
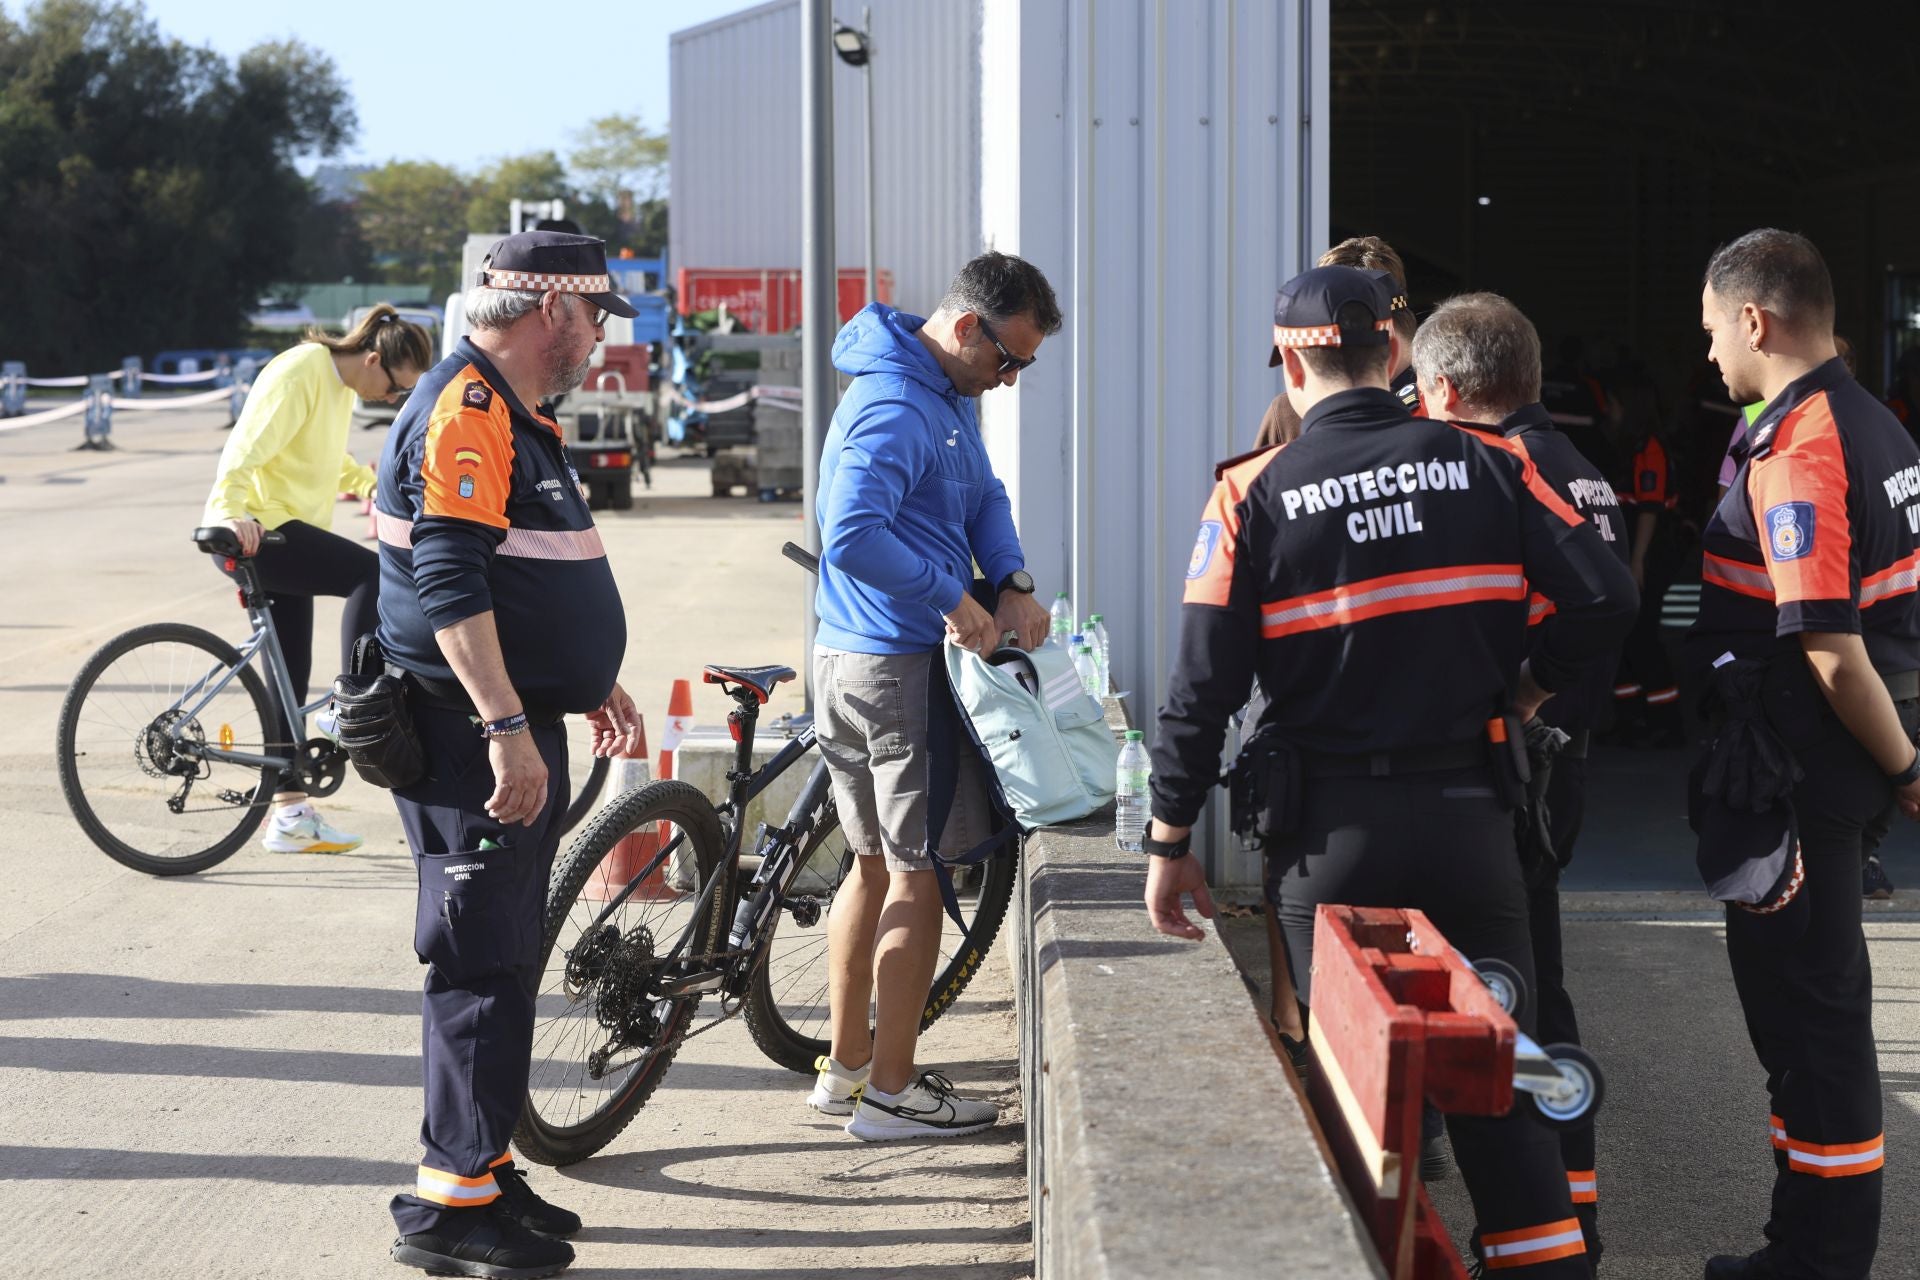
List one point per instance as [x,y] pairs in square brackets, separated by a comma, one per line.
[1388,764]
[451,695]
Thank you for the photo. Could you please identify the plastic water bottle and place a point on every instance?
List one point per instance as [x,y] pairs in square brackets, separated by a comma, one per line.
[1088,666]
[1097,626]
[1131,801]
[1062,612]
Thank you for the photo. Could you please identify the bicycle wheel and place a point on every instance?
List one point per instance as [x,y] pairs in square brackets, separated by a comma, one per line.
[580,747]
[786,1007]
[604,1034]
[148,798]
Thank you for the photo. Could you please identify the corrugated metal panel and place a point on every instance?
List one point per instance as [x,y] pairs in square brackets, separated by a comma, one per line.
[735,142]
[1159,160]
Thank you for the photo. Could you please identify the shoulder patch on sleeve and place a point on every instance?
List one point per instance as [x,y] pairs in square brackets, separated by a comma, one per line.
[1203,548]
[477,395]
[1790,529]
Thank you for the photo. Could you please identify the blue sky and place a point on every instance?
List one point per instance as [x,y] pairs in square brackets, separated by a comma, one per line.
[502,79]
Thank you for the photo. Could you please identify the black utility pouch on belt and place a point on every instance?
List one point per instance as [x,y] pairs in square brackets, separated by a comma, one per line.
[376,725]
[1264,789]
[1507,741]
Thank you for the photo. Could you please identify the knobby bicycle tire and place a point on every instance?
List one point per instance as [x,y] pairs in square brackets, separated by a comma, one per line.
[589,792]
[794,1049]
[66,751]
[551,1139]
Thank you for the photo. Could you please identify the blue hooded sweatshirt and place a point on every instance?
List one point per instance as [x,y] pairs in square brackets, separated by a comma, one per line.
[908,502]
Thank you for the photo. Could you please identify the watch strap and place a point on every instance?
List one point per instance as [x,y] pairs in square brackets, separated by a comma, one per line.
[1167,848]
[1908,775]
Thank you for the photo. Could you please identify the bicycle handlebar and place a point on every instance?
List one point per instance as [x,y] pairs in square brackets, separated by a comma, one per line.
[801,556]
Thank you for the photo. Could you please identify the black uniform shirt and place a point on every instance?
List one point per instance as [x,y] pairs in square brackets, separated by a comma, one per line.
[1820,530]
[1583,482]
[1375,574]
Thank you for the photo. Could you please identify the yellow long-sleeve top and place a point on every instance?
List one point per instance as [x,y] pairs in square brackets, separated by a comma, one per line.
[287,458]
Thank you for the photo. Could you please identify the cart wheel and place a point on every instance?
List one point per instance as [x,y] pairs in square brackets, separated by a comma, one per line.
[1508,988]
[1579,1068]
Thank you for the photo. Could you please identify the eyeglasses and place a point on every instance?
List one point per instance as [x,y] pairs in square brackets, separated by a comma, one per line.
[1009,362]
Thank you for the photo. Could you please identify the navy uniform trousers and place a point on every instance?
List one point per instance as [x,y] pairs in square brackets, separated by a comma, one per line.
[477,927]
[1808,1000]
[1440,842]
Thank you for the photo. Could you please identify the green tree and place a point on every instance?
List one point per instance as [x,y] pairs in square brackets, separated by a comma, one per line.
[618,156]
[147,184]
[538,175]
[412,214]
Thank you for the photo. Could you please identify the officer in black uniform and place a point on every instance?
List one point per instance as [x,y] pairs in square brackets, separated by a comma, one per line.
[497,602]
[1809,573]
[1478,359]
[1375,576]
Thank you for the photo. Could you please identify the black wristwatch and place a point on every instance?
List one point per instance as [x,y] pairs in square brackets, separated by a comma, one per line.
[1019,580]
[1908,775]
[1167,848]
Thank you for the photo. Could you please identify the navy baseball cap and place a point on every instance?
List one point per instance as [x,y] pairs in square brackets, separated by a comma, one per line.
[1306,310]
[553,261]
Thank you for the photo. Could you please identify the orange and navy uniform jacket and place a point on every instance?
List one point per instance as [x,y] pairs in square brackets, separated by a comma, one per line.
[1582,481]
[478,508]
[1653,478]
[1374,575]
[1819,532]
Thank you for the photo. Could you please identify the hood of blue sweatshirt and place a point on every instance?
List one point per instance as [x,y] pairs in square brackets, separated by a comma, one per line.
[908,502]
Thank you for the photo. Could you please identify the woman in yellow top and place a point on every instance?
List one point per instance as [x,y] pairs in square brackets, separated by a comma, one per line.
[282,468]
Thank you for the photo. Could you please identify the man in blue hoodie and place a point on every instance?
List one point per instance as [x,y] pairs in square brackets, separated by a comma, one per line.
[908,505]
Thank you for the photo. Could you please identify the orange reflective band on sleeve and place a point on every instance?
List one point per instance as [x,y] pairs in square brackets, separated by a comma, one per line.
[1895,580]
[453,1190]
[1393,593]
[1584,1186]
[1732,575]
[1659,697]
[1799,496]
[1530,1245]
[1539,609]
[1210,571]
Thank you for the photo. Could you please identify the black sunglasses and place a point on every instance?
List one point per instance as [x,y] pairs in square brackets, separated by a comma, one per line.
[393,384]
[1009,362]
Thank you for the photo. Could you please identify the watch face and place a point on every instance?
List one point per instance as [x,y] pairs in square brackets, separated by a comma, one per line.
[1021,580]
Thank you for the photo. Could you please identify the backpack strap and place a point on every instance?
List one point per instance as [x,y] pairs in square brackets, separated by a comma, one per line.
[948,734]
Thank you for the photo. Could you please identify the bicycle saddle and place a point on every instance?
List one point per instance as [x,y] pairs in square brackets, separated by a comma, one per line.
[759,679]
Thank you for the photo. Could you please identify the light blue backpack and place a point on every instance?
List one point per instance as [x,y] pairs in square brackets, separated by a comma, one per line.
[1046,738]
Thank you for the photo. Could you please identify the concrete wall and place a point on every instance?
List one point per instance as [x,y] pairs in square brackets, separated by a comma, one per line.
[735,142]
[1166,165]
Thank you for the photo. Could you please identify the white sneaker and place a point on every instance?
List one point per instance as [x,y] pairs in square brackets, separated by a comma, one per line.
[834,1088]
[327,721]
[300,829]
[927,1108]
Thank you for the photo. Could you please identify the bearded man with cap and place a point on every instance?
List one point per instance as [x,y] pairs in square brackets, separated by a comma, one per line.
[499,606]
[1374,577]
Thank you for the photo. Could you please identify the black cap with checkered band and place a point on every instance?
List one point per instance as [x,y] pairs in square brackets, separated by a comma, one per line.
[1307,309]
[556,261]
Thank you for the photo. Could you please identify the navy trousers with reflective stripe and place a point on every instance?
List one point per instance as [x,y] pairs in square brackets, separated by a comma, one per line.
[478,922]
[1808,1001]
[1438,842]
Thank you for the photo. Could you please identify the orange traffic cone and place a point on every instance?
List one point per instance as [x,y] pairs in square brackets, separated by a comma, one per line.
[679,722]
[633,852]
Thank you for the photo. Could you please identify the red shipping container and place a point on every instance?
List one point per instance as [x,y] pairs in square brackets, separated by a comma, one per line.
[767,299]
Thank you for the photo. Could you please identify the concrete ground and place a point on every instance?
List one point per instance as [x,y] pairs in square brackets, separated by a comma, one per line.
[217,1075]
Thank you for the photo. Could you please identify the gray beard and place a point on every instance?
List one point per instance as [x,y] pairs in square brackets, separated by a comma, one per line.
[563,380]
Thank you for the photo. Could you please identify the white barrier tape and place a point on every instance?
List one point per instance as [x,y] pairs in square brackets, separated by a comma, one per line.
[178,377]
[173,402]
[79,381]
[45,415]
[786,397]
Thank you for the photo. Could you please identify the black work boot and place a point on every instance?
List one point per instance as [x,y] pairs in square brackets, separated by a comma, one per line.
[489,1243]
[1757,1265]
[1436,1157]
[534,1213]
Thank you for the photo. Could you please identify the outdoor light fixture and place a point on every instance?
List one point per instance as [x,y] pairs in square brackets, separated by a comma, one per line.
[851,45]
[1485,200]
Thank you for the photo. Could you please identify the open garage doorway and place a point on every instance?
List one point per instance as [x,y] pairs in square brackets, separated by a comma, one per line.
[1584,160]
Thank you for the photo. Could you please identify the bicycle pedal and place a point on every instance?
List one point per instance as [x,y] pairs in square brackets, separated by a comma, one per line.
[688,984]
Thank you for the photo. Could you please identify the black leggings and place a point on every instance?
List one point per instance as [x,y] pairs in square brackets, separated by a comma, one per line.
[313,562]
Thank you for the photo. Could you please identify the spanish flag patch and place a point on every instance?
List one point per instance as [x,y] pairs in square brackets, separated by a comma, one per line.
[464,457]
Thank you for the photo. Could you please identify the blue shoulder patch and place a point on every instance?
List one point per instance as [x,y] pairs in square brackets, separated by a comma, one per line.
[1790,530]
[1204,547]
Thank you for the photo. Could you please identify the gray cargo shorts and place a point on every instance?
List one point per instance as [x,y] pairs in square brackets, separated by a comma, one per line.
[870,716]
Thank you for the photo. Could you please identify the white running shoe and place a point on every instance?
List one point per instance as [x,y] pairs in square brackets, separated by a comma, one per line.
[927,1108]
[834,1088]
[327,721]
[300,829]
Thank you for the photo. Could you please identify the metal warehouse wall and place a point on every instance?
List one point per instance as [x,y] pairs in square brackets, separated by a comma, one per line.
[735,142]
[1165,162]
